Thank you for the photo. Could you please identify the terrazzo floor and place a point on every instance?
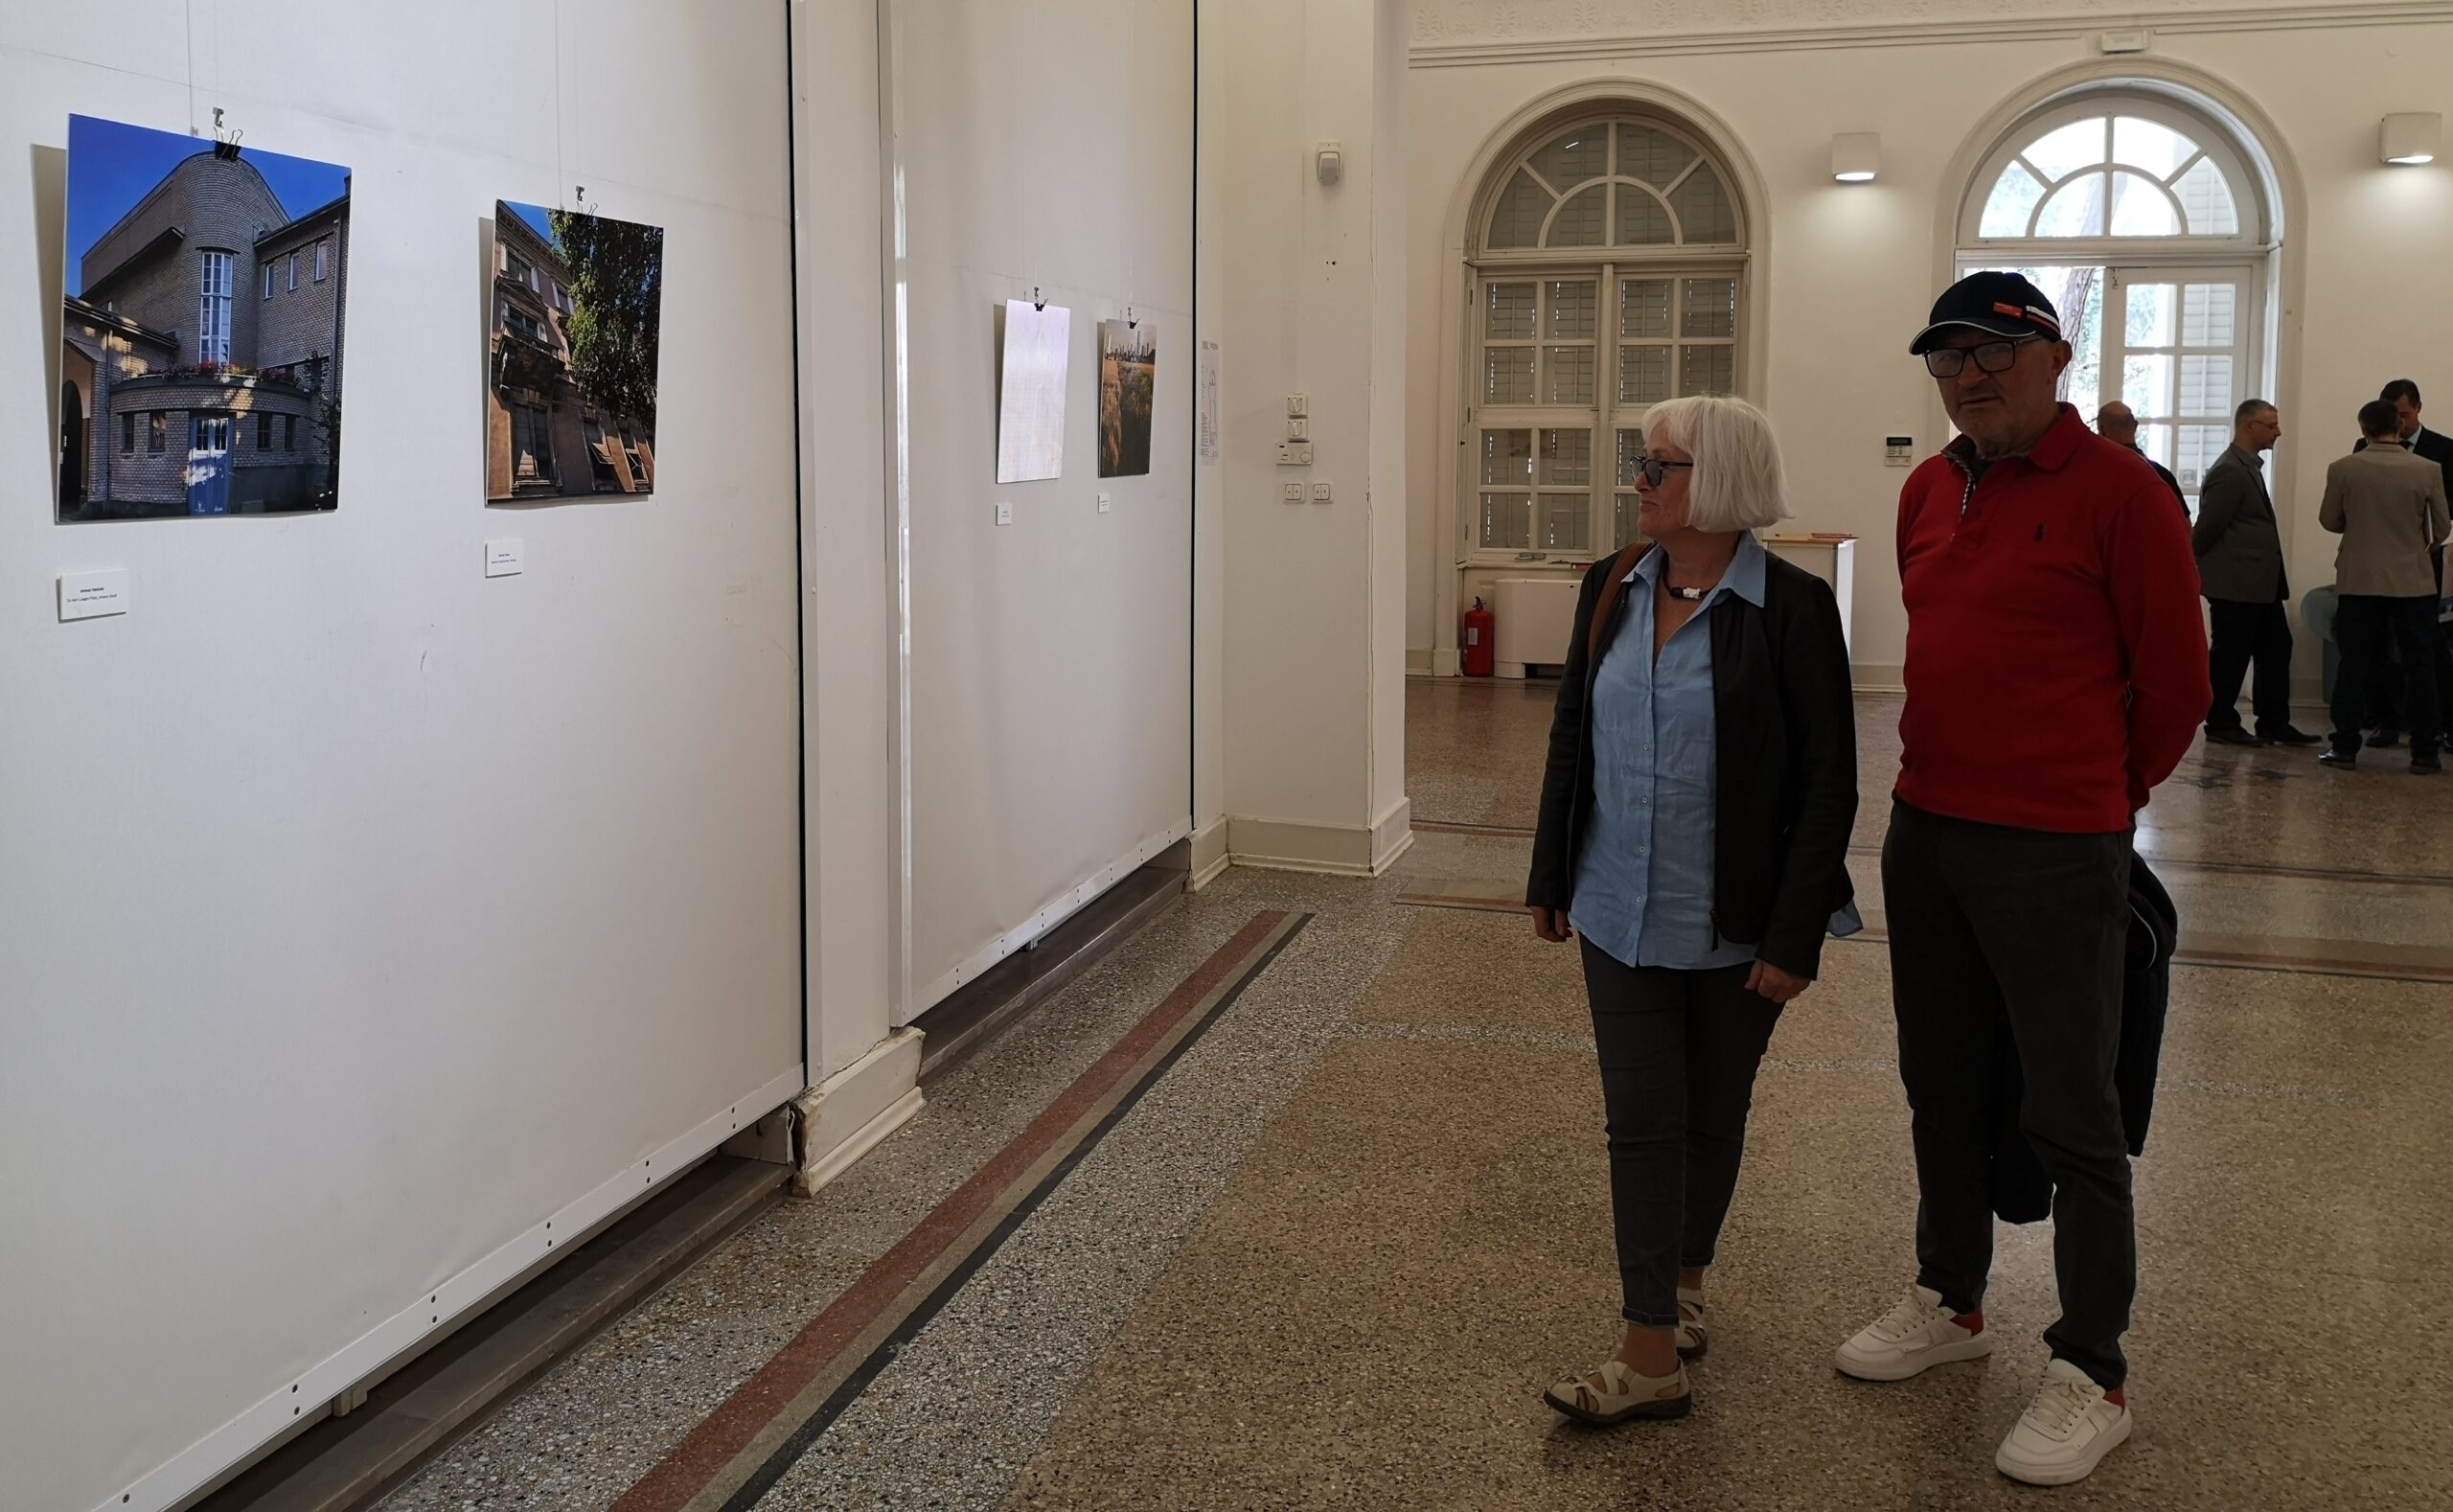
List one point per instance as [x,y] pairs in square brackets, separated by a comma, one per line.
[1331,1256]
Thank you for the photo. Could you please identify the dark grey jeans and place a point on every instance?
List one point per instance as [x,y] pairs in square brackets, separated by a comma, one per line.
[1678,1051]
[2019,933]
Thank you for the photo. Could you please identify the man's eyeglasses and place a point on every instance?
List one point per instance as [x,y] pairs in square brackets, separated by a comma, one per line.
[1994,357]
[1653,470]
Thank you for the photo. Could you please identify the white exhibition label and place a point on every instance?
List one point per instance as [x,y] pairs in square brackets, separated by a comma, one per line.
[1030,398]
[91,595]
[1208,381]
[505,557]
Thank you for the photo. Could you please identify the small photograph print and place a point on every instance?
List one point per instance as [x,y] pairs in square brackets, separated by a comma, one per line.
[1030,392]
[203,303]
[1128,380]
[571,356]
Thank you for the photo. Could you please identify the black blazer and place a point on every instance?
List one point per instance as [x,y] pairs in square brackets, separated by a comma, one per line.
[1785,736]
[2435,445]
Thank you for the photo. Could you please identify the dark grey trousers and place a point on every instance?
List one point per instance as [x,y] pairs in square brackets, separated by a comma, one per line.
[1678,1051]
[2000,932]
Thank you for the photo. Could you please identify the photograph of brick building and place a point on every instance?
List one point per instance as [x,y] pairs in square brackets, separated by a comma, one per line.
[201,327]
[571,356]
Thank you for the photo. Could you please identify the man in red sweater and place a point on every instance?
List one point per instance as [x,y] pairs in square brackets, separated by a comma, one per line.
[2056,672]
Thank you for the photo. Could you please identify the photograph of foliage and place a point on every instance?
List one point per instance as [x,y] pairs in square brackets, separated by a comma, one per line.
[571,356]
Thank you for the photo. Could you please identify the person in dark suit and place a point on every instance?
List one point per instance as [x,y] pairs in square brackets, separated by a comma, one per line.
[2118,424]
[2436,447]
[2239,566]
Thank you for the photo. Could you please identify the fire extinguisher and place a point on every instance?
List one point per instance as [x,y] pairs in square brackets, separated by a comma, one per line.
[1482,653]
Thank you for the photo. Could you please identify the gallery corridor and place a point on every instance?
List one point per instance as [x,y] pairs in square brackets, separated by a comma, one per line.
[1332,1255]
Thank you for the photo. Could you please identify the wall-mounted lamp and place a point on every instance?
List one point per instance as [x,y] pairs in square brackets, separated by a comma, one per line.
[1856,157]
[2410,139]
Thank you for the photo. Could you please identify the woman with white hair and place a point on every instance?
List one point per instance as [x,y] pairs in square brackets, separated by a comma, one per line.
[1694,830]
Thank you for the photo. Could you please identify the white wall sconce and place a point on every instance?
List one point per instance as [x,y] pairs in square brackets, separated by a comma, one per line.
[1856,157]
[2411,139]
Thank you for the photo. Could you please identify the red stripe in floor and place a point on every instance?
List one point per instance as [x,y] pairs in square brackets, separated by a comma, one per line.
[727,1433]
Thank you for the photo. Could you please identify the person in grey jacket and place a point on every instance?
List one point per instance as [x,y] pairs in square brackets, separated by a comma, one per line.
[2389,508]
[2240,566]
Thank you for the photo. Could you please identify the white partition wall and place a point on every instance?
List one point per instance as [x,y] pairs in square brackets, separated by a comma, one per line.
[361,916]
[1048,148]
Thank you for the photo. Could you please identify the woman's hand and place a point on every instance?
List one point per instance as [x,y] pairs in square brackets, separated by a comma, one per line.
[1551,924]
[1767,980]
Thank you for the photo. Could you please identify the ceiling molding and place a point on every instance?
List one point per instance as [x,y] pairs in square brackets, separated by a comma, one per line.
[1452,34]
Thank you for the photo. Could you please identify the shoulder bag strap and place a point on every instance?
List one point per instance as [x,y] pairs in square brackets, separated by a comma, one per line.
[1618,566]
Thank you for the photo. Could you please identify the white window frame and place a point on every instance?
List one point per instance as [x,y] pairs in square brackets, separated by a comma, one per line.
[268,271]
[294,272]
[214,301]
[1606,266]
[2244,259]
[2213,139]
[320,249]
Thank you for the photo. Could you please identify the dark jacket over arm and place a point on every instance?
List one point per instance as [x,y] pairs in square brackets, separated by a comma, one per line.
[1785,766]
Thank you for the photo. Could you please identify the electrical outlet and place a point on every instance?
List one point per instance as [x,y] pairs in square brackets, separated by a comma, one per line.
[1322,494]
[1005,513]
[1293,493]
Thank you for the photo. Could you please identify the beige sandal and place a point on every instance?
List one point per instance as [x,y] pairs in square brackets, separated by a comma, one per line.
[1616,1394]
[1694,1339]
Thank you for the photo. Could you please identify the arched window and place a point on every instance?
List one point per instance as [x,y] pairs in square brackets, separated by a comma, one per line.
[2145,218]
[1607,261]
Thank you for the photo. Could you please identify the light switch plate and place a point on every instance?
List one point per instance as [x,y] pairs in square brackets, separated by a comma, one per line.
[1323,494]
[91,595]
[1297,406]
[1294,454]
[1299,431]
[506,557]
[1005,513]
[1293,493]
[1107,502]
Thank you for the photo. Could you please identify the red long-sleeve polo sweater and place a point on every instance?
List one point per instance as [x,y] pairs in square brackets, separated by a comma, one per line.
[2057,654]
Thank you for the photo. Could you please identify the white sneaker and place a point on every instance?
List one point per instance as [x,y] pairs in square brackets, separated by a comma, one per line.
[2071,1424]
[1913,1338]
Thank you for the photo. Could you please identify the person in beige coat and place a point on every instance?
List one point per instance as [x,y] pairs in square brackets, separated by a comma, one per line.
[2389,508]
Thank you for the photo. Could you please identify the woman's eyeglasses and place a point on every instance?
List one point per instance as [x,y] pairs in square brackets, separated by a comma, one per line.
[1652,470]
[1994,357]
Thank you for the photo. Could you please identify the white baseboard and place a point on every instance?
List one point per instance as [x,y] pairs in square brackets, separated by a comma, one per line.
[1330,849]
[1030,932]
[1209,855]
[413,1329]
[1417,662]
[846,1117]
[1446,662]
[1875,676]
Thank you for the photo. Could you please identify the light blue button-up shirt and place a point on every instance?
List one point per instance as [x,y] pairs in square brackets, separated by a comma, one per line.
[1643,889]
[1643,883]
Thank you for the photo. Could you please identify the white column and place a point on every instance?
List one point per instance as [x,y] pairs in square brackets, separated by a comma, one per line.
[1306,281]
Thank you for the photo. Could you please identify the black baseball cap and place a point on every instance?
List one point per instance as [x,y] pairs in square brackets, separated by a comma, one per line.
[1999,304]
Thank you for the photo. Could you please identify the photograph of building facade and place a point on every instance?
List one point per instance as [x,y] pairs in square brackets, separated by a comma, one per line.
[571,356]
[201,327]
